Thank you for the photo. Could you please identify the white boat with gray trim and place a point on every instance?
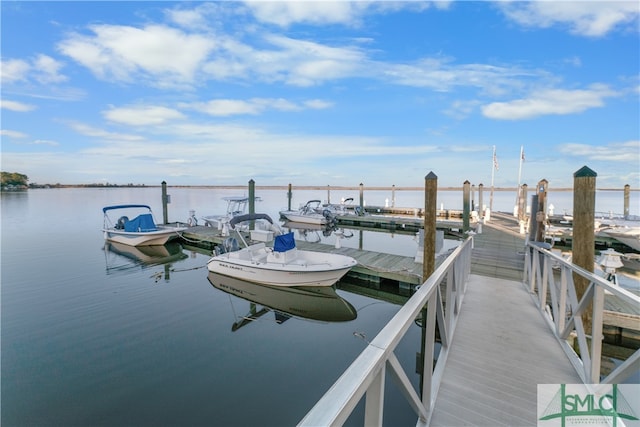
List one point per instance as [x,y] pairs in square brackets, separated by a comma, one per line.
[280,265]
[141,230]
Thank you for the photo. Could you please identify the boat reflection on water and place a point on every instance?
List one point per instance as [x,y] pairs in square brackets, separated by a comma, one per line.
[311,232]
[320,303]
[140,256]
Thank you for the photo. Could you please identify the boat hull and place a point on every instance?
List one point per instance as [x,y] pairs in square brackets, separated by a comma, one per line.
[630,237]
[307,270]
[147,238]
[294,216]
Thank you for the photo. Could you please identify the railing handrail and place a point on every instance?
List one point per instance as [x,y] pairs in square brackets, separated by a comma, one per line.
[564,312]
[366,375]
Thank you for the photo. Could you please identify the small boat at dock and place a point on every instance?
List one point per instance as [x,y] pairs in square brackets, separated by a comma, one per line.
[236,205]
[280,265]
[141,230]
[311,213]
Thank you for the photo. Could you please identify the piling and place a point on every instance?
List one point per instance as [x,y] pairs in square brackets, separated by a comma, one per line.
[473,197]
[583,243]
[393,196]
[430,201]
[522,203]
[328,194]
[362,197]
[480,205]
[165,201]
[533,224]
[289,195]
[252,196]
[541,212]
[466,188]
[627,189]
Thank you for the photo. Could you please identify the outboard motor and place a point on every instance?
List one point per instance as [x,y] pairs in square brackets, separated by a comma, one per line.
[121,222]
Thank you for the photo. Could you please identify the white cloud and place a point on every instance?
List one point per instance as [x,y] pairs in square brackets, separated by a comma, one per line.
[547,102]
[253,106]
[45,142]
[46,70]
[310,12]
[142,115]
[42,69]
[94,132]
[347,13]
[169,56]
[626,152]
[12,134]
[16,106]
[586,18]
[14,70]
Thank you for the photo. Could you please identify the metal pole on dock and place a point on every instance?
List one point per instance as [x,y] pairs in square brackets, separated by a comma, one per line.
[165,201]
[627,188]
[466,188]
[541,213]
[289,195]
[583,243]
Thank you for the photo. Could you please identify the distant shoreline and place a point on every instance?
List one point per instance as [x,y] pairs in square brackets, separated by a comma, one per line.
[311,187]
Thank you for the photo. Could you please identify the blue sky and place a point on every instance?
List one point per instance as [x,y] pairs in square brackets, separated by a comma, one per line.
[330,93]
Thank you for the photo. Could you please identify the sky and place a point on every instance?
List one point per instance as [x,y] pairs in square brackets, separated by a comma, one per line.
[321,93]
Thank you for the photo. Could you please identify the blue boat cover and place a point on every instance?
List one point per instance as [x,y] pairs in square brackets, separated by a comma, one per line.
[284,242]
[141,223]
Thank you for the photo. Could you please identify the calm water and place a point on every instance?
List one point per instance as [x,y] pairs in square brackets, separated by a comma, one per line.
[91,337]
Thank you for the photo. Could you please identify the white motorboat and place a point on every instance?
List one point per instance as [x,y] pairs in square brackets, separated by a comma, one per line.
[311,213]
[280,265]
[320,303]
[142,230]
[236,205]
[629,236]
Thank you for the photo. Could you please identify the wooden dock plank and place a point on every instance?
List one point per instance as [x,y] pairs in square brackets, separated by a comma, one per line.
[502,350]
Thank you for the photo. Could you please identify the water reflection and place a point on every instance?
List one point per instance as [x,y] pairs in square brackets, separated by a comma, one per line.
[314,303]
[120,257]
[313,233]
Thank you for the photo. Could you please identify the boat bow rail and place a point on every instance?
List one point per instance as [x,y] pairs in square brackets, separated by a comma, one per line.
[564,312]
[367,373]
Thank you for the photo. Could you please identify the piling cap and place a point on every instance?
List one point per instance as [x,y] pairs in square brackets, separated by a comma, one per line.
[431,175]
[584,172]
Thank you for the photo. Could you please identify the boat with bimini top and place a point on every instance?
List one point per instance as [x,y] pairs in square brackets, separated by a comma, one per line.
[280,265]
[141,230]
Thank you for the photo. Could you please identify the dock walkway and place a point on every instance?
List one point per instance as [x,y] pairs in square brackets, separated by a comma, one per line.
[502,349]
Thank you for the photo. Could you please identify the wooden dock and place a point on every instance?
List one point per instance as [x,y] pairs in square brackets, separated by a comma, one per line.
[501,351]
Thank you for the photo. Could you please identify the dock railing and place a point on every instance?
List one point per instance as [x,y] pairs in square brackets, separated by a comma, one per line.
[551,279]
[367,374]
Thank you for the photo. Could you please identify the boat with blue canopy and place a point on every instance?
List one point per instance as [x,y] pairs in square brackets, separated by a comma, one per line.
[139,230]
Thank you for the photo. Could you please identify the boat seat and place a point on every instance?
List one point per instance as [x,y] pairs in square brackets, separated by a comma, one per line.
[283,257]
